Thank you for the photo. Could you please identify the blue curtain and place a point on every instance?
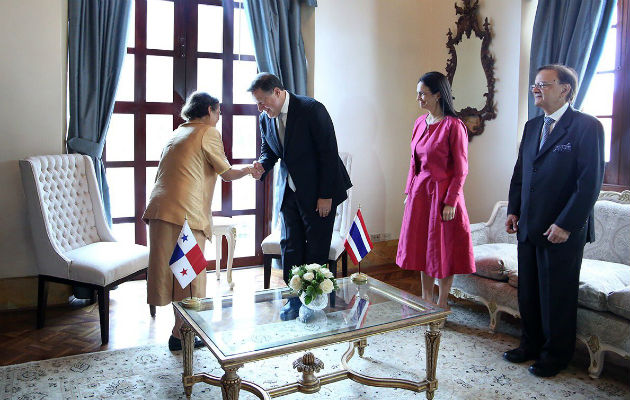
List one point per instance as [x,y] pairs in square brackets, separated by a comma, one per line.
[97,31]
[571,33]
[275,27]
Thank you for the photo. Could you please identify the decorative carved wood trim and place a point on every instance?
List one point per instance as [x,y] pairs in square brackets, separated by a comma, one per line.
[468,23]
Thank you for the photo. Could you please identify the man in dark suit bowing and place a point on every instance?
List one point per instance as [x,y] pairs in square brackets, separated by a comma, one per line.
[555,184]
[298,131]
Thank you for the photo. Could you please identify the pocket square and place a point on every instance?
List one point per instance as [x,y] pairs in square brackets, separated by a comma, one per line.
[562,148]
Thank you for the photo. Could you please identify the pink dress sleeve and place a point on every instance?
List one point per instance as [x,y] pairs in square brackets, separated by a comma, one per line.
[412,163]
[458,142]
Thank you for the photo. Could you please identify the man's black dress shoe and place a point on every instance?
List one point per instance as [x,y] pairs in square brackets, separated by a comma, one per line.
[519,355]
[175,344]
[291,310]
[545,369]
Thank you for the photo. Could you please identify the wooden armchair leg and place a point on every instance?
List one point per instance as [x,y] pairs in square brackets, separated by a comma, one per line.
[267,271]
[332,267]
[42,299]
[152,311]
[103,312]
[344,264]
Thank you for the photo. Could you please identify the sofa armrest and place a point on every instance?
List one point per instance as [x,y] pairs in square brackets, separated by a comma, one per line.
[479,233]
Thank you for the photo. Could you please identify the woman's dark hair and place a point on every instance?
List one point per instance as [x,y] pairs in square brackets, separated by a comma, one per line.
[197,105]
[437,82]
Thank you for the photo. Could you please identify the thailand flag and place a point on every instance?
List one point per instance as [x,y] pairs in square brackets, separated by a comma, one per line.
[187,260]
[358,242]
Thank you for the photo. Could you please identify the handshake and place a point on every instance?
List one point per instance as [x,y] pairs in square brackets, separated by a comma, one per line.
[256,170]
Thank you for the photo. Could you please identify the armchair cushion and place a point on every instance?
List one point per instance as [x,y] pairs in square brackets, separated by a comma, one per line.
[271,244]
[102,263]
[619,302]
[495,260]
[598,279]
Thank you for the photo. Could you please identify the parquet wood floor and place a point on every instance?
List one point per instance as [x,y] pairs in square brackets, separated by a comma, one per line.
[74,328]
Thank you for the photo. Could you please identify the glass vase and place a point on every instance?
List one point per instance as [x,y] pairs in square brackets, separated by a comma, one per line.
[319,302]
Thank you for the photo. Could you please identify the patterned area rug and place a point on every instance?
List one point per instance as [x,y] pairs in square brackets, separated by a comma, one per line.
[469,367]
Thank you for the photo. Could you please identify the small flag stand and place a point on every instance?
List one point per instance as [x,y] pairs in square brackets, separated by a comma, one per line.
[358,244]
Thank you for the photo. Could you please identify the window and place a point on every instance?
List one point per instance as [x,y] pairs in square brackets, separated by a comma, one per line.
[608,98]
[175,47]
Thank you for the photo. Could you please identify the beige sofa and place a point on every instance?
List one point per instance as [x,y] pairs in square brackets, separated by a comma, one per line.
[603,321]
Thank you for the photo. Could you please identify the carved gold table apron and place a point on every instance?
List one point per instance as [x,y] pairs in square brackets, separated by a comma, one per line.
[390,309]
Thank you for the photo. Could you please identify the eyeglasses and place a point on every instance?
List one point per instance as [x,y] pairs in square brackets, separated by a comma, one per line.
[541,85]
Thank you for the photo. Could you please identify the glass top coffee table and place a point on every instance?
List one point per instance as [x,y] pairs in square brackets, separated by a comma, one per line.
[247,328]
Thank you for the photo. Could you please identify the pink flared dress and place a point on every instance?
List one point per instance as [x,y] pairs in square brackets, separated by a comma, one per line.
[437,172]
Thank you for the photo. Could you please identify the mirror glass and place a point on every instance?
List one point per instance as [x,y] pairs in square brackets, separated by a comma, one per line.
[469,82]
[470,68]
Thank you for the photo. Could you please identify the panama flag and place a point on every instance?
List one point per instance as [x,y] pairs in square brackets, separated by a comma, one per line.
[187,260]
[358,242]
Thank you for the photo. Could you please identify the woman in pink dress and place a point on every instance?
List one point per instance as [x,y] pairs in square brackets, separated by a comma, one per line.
[435,232]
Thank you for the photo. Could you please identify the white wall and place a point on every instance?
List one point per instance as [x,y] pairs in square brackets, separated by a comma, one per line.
[491,156]
[365,58]
[32,112]
[368,57]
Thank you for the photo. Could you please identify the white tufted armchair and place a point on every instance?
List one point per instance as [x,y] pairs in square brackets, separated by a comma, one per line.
[271,244]
[73,243]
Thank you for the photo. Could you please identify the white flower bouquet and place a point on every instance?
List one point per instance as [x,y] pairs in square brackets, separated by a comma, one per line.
[312,280]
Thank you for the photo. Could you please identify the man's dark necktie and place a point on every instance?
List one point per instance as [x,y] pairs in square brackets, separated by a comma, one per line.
[545,131]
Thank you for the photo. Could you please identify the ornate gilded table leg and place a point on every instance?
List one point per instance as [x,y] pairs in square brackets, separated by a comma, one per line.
[230,383]
[432,338]
[188,344]
[308,365]
[361,345]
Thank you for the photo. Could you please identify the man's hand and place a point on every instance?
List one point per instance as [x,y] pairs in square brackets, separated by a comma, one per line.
[258,170]
[555,234]
[448,213]
[511,223]
[323,207]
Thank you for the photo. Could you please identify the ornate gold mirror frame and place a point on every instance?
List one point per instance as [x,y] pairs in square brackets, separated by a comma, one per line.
[467,23]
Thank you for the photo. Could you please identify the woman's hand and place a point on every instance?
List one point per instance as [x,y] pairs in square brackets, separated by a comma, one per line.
[448,213]
[239,172]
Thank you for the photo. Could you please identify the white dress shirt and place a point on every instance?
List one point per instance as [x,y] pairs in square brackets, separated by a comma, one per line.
[281,123]
[557,115]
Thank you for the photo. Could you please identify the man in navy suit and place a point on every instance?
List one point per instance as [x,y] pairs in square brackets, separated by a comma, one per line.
[555,184]
[298,131]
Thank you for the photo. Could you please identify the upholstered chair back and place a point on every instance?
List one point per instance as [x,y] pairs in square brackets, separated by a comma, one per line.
[343,219]
[64,203]
[612,229]
[496,228]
